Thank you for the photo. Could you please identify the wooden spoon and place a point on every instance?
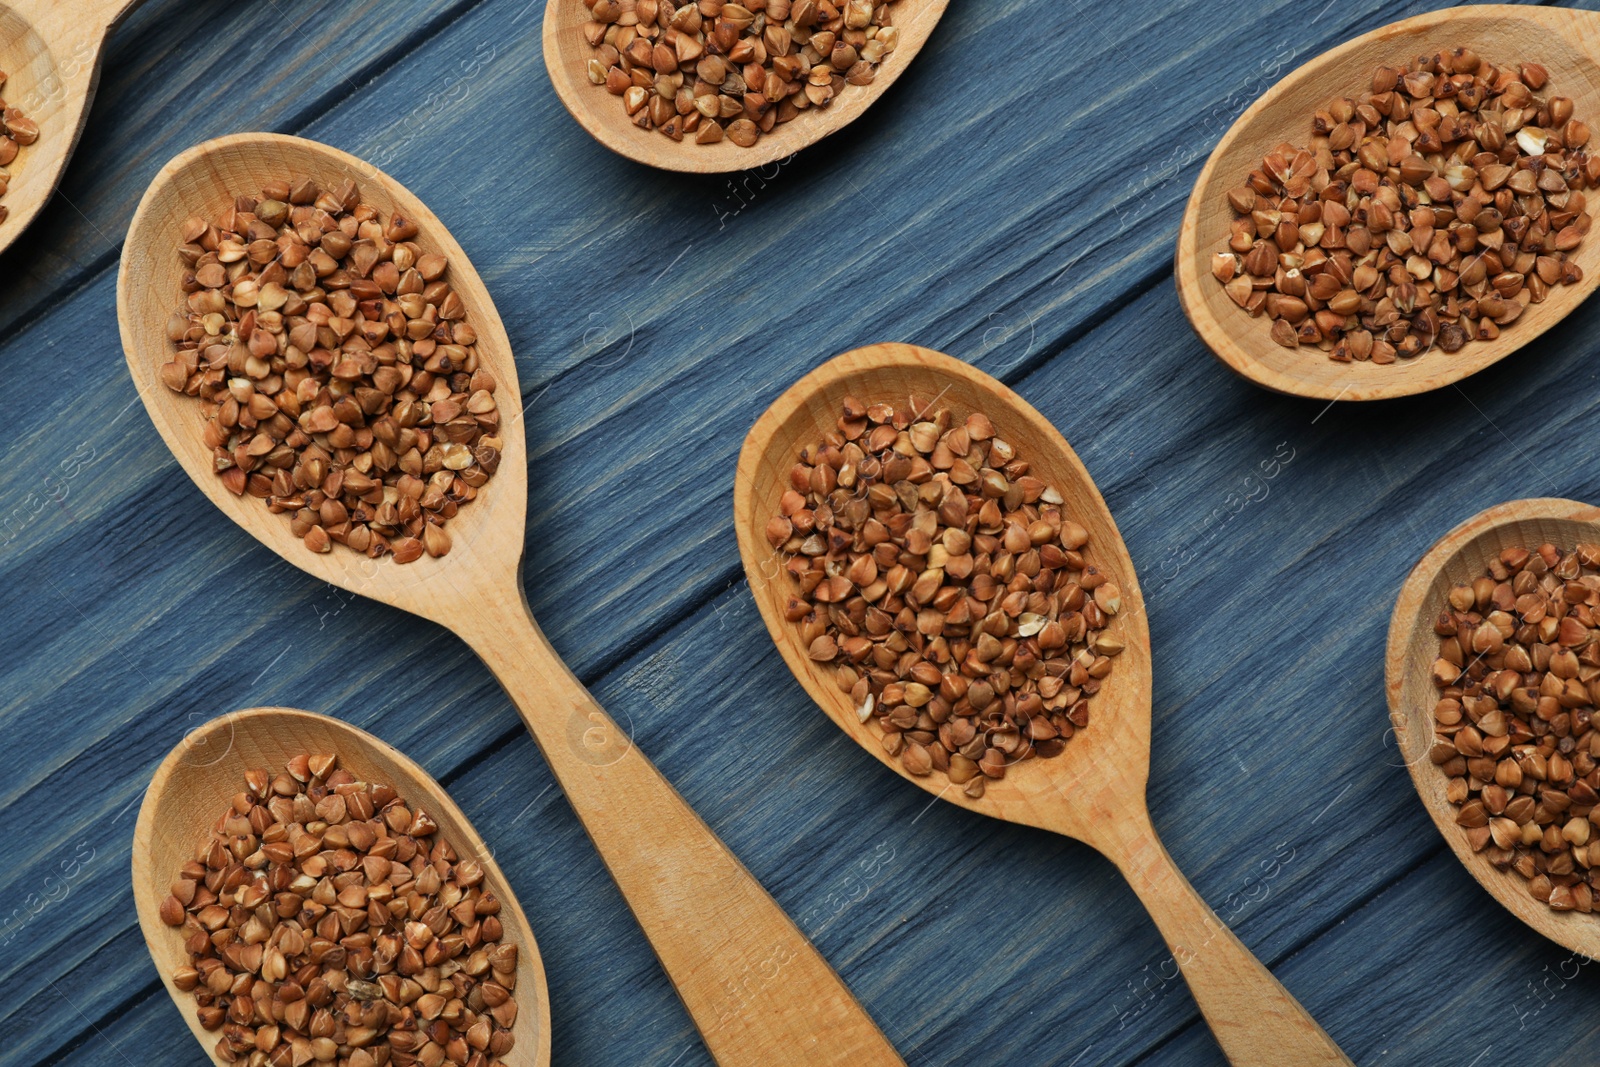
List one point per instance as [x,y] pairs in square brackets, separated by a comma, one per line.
[567,54]
[194,785]
[52,51]
[1459,557]
[1566,42]
[706,917]
[1095,791]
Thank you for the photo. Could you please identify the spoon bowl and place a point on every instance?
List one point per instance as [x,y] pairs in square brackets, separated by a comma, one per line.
[1095,790]
[1566,42]
[703,913]
[567,53]
[1457,558]
[1102,764]
[486,535]
[52,53]
[194,786]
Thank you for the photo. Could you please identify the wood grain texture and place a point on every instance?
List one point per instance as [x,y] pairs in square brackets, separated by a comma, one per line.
[200,777]
[698,904]
[566,57]
[134,614]
[1566,42]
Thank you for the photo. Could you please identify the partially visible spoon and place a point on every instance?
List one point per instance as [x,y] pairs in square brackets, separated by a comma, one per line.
[705,916]
[199,778]
[52,51]
[1566,43]
[1095,791]
[567,54]
[1459,557]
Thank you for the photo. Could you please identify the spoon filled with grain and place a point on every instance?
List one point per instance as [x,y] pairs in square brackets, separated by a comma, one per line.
[710,87]
[235,783]
[325,364]
[1403,210]
[49,64]
[943,577]
[1491,659]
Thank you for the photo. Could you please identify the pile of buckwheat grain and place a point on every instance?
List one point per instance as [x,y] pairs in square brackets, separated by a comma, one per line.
[326,921]
[1429,212]
[712,69]
[16,131]
[947,587]
[1518,675]
[337,373]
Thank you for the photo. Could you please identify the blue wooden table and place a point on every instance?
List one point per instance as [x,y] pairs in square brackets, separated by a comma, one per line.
[1014,201]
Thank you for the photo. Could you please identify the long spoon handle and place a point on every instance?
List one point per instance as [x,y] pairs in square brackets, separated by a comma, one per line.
[1255,1019]
[759,992]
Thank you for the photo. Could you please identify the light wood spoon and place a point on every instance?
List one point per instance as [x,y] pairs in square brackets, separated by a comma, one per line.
[194,785]
[567,54]
[1459,557]
[52,52]
[1566,42]
[710,923]
[1095,791]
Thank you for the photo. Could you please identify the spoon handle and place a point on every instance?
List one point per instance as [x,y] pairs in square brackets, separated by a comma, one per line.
[1255,1019]
[759,992]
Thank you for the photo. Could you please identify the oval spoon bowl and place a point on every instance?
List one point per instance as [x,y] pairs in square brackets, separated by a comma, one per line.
[204,181]
[1501,34]
[194,786]
[896,373]
[1459,557]
[566,57]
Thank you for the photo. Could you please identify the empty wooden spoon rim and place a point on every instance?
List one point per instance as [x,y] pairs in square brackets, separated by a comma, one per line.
[566,57]
[1458,557]
[195,784]
[1566,42]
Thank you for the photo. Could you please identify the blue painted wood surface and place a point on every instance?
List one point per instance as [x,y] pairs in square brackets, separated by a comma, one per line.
[1013,201]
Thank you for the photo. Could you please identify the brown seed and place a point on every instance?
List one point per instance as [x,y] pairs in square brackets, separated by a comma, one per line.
[435,540]
[22,129]
[915,759]
[742,132]
[823,649]
[407,549]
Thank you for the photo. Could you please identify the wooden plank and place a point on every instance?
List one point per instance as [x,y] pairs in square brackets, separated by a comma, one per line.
[1466,955]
